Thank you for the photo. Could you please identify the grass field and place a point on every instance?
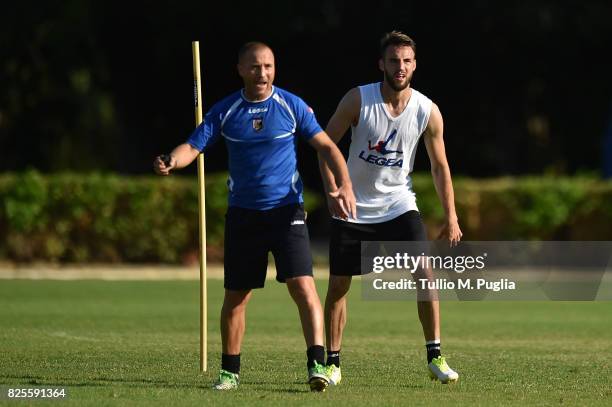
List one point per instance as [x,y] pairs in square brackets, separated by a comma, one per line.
[129,343]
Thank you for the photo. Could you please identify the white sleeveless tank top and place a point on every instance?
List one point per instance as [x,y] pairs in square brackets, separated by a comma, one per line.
[382,153]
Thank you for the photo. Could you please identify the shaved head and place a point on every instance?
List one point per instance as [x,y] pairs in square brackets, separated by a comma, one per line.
[256,68]
[251,47]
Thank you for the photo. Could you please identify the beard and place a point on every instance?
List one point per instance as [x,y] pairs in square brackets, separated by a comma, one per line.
[391,82]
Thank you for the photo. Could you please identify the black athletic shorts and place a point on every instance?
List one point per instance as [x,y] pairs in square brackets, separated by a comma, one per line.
[249,236]
[346,238]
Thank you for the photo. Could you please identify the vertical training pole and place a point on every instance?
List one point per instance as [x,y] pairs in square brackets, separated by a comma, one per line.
[197,93]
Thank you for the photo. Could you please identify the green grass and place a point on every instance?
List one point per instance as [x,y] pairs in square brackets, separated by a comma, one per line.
[134,343]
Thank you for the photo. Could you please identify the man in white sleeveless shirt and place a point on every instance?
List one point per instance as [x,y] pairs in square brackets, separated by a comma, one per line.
[387,119]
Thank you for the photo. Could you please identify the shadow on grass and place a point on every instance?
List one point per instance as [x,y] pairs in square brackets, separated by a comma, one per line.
[269,386]
[135,383]
[99,382]
[290,391]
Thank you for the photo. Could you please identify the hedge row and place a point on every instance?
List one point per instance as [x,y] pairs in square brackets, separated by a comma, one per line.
[526,208]
[111,218]
[108,218]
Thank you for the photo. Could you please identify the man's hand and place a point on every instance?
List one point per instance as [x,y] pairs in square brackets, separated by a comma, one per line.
[164,163]
[342,203]
[451,232]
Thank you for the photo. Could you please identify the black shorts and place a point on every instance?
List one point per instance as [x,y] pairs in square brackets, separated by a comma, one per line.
[346,238]
[251,234]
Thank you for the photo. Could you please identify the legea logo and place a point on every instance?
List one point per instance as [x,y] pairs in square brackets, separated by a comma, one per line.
[381,147]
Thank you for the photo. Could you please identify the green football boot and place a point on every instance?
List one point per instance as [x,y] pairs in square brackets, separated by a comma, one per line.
[227,381]
[317,377]
[439,370]
[334,374]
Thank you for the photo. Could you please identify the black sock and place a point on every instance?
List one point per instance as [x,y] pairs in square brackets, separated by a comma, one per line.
[315,353]
[433,350]
[231,363]
[333,357]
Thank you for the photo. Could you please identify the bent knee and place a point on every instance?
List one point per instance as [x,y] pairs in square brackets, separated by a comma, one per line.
[236,299]
[302,287]
[338,286]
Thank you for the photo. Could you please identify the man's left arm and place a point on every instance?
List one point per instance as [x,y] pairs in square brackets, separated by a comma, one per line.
[332,156]
[307,126]
[434,142]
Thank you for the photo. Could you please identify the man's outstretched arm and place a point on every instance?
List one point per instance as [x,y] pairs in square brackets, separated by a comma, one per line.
[180,157]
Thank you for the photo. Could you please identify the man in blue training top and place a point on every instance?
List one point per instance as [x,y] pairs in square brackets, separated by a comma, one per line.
[260,125]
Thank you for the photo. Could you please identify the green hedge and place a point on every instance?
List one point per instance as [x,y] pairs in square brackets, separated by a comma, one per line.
[111,218]
[526,208]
